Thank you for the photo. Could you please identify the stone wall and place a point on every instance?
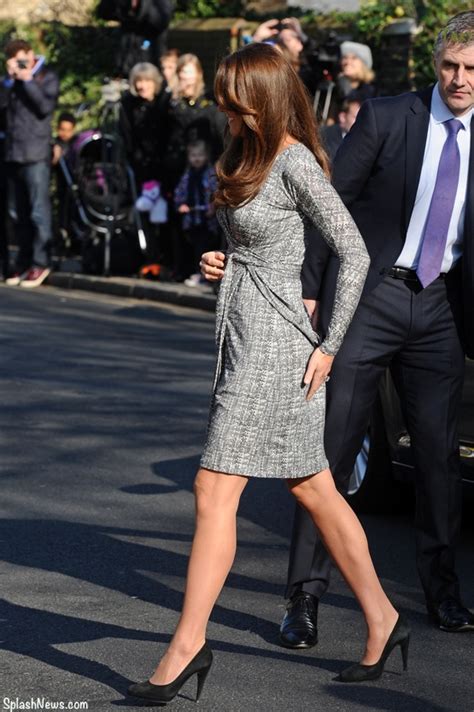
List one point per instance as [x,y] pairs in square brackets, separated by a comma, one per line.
[70,12]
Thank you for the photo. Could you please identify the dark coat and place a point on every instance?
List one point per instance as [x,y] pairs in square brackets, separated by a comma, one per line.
[144,128]
[376,173]
[29,108]
[331,137]
[191,120]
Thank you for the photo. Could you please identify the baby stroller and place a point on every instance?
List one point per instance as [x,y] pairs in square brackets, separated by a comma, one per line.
[100,199]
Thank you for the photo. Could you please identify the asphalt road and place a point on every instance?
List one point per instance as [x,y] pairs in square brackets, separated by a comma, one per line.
[104,405]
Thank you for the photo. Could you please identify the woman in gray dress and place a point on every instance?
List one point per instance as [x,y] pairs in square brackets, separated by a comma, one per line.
[267,411]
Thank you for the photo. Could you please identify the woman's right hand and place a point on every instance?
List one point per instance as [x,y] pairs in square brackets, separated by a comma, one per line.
[212,266]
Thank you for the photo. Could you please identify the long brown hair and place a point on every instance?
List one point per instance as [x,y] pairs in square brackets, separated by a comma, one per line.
[260,85]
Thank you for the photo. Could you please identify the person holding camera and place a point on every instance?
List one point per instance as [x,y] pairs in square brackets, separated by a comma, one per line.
[297,47]
[29,93]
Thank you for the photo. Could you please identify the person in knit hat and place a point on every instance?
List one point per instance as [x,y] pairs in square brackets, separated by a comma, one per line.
[356,71]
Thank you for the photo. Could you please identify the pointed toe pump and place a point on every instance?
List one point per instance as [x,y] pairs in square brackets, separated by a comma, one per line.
[400,635]
[199,665]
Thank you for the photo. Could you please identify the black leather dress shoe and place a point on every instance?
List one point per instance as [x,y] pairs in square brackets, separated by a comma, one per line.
[299,628]
[452,616]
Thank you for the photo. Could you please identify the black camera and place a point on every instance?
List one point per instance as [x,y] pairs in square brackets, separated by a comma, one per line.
[22,63]
[325,58]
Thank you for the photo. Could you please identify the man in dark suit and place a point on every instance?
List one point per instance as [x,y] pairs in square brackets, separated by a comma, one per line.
[406,173]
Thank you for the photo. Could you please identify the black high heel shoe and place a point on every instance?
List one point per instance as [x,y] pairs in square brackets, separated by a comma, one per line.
[199,665]
[400,635]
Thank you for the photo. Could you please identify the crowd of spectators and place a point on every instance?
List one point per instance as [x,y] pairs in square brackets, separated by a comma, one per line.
[171,130]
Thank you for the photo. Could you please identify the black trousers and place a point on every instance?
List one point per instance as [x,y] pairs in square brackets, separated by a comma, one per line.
[415,332]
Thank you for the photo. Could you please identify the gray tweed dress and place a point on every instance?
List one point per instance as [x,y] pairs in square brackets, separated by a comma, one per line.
[260,424]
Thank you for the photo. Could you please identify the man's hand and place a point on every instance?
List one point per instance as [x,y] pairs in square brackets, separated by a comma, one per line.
[294,24]
[16,72]
[317,371]
[24,75]
[183,209]
[312,307]
[266,30]
[212,266]
[57,153]
[12,67]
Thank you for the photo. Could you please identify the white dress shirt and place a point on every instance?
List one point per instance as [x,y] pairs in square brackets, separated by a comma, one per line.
[435,140]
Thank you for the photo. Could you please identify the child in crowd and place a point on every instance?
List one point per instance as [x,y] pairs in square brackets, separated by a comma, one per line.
[193,201]
[64,135]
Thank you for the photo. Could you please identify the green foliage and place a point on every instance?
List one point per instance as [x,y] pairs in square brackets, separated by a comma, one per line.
[374,16]
[208,8]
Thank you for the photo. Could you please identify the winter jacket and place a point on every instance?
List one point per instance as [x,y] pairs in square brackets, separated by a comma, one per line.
[144,129]
[191,120]
[196,189]
[29,108]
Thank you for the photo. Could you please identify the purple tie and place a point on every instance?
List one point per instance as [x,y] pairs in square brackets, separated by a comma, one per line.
[441,207]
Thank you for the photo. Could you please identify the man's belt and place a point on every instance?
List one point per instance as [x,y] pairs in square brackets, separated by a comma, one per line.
[408,275]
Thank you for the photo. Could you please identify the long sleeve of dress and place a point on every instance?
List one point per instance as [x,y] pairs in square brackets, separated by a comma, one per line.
[318,201]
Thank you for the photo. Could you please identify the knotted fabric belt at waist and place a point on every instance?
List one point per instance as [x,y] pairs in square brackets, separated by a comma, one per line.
[259,269]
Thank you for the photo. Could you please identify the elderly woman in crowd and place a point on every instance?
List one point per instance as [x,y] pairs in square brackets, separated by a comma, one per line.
[144,129]
[144,122]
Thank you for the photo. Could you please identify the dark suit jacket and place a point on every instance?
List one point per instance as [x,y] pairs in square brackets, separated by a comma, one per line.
[376,173]
[332,137]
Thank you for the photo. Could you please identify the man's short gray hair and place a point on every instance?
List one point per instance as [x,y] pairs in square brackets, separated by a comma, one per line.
[458,31]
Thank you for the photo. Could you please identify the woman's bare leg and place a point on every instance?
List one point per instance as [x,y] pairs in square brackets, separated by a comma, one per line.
[346,542]
[212,555]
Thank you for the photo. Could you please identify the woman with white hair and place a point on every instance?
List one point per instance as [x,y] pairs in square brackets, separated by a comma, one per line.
[144,122]
[145,130]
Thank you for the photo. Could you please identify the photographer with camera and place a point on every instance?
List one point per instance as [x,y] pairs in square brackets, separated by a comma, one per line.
[28,94]
[296,46]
